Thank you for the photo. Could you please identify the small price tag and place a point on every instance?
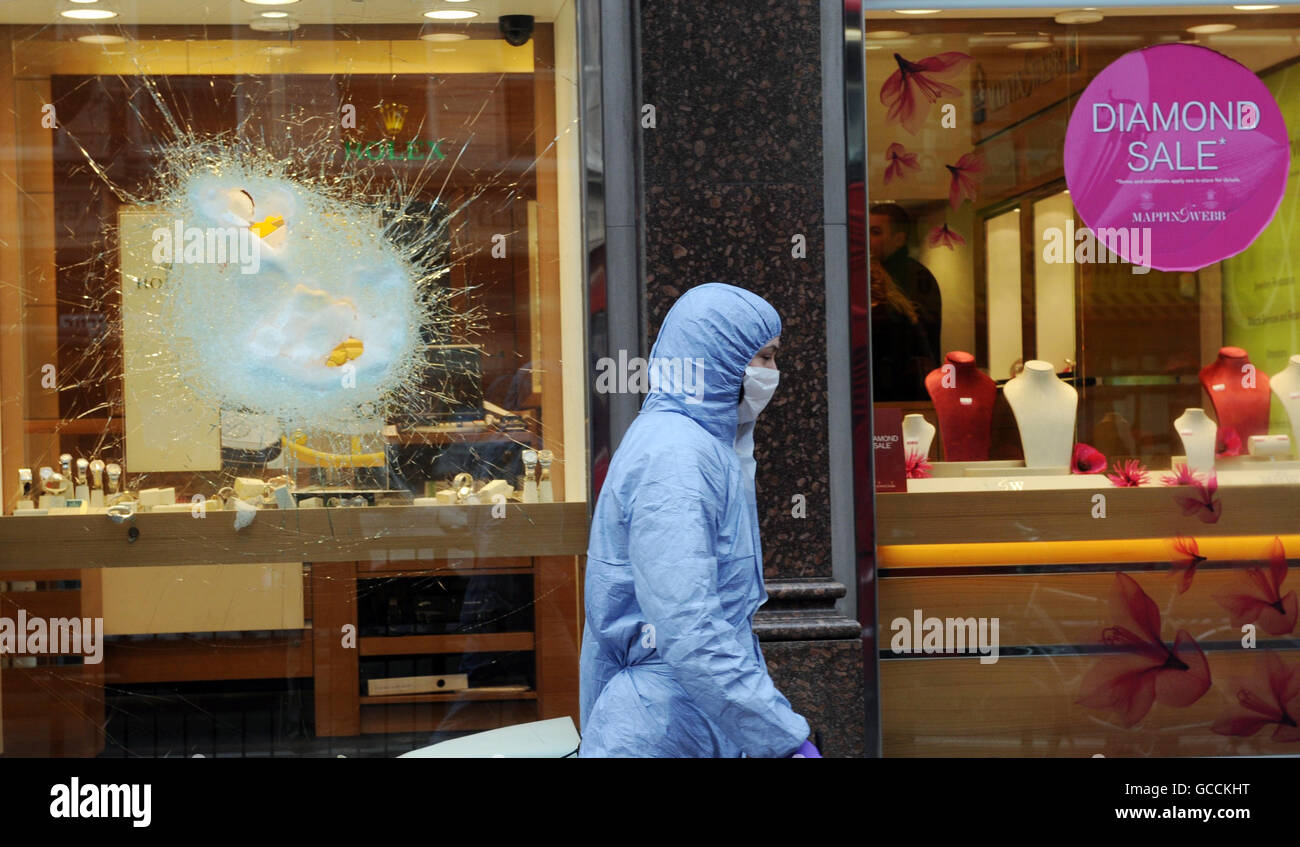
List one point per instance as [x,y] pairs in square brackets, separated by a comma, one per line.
[966,401]
[1218,387]
[1295,395]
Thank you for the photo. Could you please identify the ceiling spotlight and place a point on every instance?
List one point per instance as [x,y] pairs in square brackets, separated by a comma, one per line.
[270,2]
[1029,45]
[916,11]
[1256,7]
[1211,29]
[101,39]
[273,14]
[451,14]
[1079,16]
[285,24]
[444,36]
[85,1]
[883,34]
[88,14]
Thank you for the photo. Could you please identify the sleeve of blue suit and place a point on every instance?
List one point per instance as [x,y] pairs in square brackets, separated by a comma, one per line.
[672,532]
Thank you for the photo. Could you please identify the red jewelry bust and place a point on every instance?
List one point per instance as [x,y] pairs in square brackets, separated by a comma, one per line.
[963,401]
[1239,393]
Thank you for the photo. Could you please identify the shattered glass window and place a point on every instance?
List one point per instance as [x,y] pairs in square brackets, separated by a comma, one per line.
[291,383]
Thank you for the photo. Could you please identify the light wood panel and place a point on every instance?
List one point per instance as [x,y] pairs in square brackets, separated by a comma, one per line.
[376,534]
[203,598]
[1025,707]
[992,516]
[1058,609]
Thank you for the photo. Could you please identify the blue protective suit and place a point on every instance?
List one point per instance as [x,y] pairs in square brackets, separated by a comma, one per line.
[670,662]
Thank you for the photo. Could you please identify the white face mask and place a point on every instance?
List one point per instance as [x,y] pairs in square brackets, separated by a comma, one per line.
[760,385]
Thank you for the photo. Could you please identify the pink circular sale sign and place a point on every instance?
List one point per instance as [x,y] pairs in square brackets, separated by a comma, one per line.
[1176,157]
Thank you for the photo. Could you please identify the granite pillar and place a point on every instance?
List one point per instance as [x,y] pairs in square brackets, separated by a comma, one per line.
[733,190]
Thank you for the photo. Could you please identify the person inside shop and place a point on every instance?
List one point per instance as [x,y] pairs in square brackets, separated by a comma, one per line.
[901,351]
[670,664]
[890,225]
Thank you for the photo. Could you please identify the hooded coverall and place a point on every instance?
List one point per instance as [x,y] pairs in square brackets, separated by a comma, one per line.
[670,663]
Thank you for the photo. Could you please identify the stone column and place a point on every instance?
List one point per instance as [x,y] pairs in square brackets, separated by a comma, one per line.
[734,191]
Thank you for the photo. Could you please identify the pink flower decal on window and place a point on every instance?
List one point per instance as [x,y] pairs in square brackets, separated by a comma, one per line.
[917,466]
[966,177]
[1202,503]
[1228,443]
[1257,597]
[1182,475]
[942,236]
[1128,474]
[899,162]
[1274,699]
[1187,555]
[1087,459]
[1147,671]
[912,89]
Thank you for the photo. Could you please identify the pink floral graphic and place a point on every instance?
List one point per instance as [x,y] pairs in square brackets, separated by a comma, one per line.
[1187,555]
[1257,598]
[1203,503]
[1182,475]
[1274,699]
[1129,474]
[1228,443]
[1148,671]
[917,466]
[1087,459]
[899,162]
[941,235]
[966,177]
[912,89]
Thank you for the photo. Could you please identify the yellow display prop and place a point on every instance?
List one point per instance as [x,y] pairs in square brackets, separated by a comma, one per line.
[321,459]
[345,352]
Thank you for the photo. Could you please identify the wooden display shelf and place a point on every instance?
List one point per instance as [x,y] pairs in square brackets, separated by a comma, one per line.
[371,534]
[1009,516]
[469,694]
[75,426]
[402,645]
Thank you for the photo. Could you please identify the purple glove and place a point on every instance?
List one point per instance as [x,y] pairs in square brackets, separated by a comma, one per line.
[807,750]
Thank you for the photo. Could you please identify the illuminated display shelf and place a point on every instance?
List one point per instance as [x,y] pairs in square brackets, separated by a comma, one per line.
[1068,515]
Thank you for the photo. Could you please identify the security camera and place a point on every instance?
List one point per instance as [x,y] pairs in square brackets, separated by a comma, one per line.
[516,29]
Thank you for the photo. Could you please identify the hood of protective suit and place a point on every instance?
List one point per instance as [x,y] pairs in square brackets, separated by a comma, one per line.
[712,331]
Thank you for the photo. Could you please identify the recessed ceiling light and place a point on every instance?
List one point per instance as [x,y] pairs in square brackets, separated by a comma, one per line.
[887,33]
[444,36]
[273,14]
[451,14]
[457,1]
[285,24]
[85,1]
[1029,45]
[917,11]
[1211,29]
[1256,7]
[101,39]
[88,14]
[270,2]
[1079,16]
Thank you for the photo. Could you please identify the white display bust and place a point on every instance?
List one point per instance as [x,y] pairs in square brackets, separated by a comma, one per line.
[918,434]
[1198,433]
[1286,386]
[1045,409]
